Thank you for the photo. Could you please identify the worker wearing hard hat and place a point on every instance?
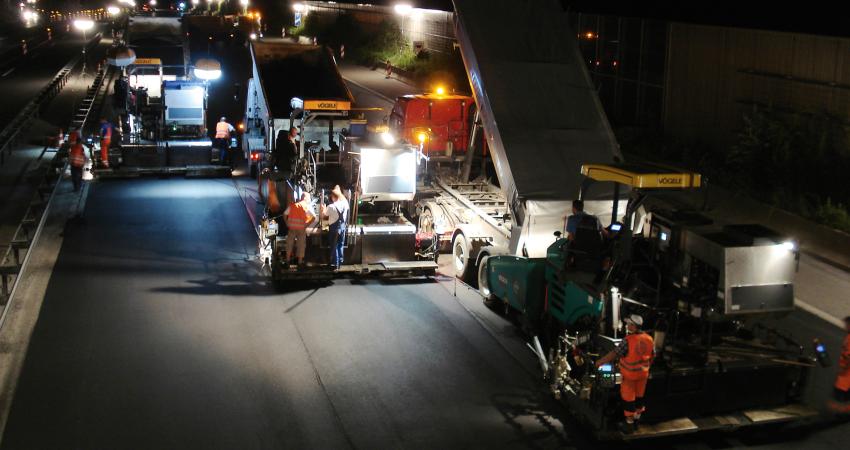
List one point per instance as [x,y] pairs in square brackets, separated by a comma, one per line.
[841,393]
[298,216]
[634,355]
[222,139]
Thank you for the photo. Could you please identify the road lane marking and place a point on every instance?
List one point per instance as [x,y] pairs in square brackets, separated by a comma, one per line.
[815,311]
[8,72]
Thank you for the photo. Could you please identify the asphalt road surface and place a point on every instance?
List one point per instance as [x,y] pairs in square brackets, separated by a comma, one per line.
[22,80]
[158,331]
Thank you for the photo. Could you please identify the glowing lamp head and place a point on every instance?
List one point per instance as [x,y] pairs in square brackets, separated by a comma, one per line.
[440,90]
[253,36]
[387,138]
[789,246]
[83,24]
[422,137]
[207,69]
[299,7]
[402,9]
[113,10]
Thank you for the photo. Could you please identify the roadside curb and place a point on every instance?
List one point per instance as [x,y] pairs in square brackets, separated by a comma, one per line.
[21,314]
[369,90]
[819,313]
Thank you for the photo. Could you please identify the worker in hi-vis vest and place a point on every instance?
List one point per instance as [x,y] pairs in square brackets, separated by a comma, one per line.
[222,139]
[634,355]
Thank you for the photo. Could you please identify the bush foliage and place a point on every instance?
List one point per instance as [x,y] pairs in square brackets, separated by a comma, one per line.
[795,161]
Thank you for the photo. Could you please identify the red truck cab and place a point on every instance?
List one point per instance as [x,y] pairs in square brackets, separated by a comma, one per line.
[441,123]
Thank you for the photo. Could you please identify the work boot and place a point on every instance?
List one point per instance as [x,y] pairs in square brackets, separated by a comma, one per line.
[627,427]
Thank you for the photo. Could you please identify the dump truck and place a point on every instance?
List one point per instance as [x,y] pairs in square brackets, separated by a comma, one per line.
[701,286]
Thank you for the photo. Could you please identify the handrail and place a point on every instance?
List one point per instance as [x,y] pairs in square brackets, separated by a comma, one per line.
[10,135]
[11,264]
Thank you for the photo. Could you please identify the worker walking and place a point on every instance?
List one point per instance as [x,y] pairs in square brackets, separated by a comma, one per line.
[222,139]
[298,216]
[106,130]
[840,402]
[634,354]
[337,216]
[76,159]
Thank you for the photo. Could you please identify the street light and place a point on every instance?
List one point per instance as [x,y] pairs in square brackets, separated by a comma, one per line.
[402,9]
[244,4]
[84,25]
[207,69]
[113,10]
[299,7]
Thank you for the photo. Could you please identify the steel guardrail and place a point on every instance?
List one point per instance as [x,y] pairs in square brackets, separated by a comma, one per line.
[12,262]
[13,133]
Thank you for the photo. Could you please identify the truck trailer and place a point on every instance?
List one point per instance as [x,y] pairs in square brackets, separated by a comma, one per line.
[550,144]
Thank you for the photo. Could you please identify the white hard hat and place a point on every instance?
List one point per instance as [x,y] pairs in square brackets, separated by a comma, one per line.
[635,319]
[223,118]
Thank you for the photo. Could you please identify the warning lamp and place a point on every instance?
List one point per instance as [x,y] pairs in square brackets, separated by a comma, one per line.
[241,126]
[422,136]
[440,90]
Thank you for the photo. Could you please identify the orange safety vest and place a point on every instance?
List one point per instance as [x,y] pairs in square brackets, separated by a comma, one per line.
[635,365]
[298,217]
[842,382]
[222,130]
[76,155]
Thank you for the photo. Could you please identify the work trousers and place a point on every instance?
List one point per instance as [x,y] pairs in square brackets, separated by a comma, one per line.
[223,146]
[631,391]
[104,151]
[77,177]
[840,401]
[296,239]
[337,231]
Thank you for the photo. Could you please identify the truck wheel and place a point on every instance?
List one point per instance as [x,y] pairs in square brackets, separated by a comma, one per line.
[483,279]
[252,171]
[462,259]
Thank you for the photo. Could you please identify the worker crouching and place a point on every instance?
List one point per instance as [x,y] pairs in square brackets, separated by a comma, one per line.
[298,216]
[634,355]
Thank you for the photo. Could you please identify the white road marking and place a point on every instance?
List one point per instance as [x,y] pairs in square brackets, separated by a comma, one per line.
[819,313]
[8,71]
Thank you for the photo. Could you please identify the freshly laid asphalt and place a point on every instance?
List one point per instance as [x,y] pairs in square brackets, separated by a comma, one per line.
[159,331]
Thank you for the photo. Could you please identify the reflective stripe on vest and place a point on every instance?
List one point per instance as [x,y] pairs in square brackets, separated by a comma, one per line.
[222,130]
[297,218]
[76,156]
[639,357]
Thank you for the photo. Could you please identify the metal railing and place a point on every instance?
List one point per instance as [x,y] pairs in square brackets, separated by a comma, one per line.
[17,251]
[15,131]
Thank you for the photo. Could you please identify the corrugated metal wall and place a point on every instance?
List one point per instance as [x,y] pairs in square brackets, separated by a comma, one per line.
[433,28]
[714,75]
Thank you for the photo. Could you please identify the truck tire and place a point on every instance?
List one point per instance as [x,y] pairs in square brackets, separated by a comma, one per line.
[483,279]
[252,171]
[463,260]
